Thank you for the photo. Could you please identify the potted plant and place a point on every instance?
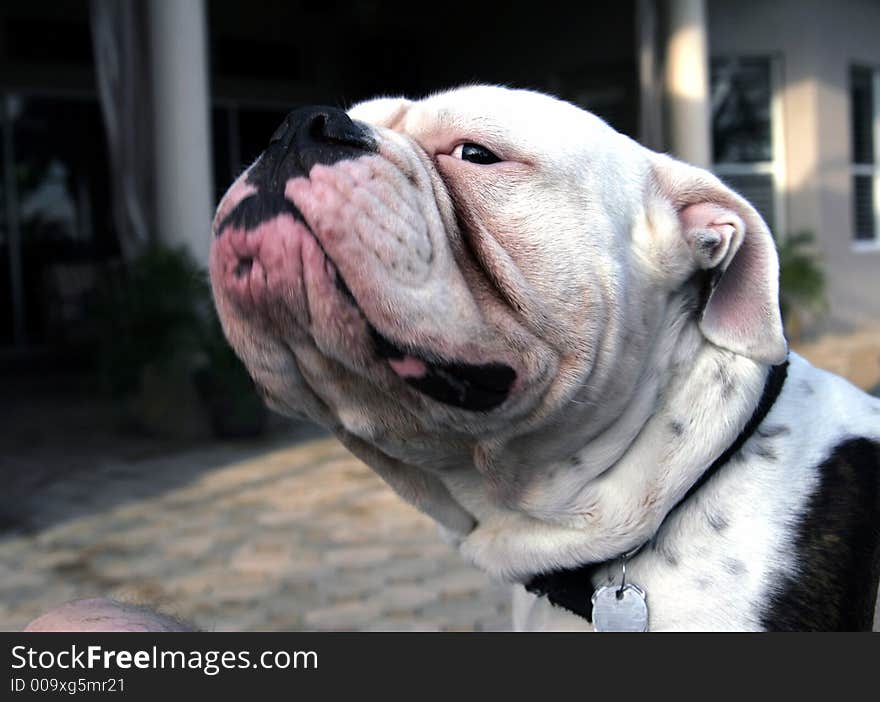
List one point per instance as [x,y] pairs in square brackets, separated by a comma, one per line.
[234,407]
[161,352]
[801,282]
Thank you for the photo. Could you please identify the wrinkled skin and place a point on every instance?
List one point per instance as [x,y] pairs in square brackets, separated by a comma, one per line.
[575,263]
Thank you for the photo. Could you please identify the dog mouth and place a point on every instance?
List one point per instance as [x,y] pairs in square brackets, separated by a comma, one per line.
[476,387]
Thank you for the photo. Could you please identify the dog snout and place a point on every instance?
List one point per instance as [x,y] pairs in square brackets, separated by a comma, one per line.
[320,125]
[309,136]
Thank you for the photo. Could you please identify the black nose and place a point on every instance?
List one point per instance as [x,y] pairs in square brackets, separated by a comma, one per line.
[323,126]
[309,135]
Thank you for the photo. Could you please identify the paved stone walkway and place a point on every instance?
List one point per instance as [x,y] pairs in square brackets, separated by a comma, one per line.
[244,538]
[855,356]
[282,534]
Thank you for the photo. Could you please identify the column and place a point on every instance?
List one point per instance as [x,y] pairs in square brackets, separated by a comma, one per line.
[687,82]
[181,108]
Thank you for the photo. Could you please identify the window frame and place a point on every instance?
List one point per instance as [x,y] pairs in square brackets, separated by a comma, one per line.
[871,170]
[776,166]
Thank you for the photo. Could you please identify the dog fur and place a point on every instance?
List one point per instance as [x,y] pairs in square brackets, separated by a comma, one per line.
[634,299]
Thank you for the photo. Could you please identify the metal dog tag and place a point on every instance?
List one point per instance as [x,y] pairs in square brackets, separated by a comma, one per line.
[620,608]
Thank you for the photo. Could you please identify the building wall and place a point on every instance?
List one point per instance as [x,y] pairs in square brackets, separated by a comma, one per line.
[850,34]
[815,42]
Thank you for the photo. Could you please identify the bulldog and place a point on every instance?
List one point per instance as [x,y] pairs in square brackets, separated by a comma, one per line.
[563,347]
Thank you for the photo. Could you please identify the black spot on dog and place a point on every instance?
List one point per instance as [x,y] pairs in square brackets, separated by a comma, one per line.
[772,430]
[473,387]
[717,522]
[676,428]
[669,556]
[806,388]
[255,209]
[733,566]
[762,450]
[575,460]
[833,585]
[724,380]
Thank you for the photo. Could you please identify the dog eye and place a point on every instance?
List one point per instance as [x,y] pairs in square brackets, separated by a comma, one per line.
[475,154]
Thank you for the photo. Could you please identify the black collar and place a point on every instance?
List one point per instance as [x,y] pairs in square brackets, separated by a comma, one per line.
[571,588]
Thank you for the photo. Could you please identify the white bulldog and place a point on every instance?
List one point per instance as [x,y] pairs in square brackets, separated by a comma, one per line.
[559,345]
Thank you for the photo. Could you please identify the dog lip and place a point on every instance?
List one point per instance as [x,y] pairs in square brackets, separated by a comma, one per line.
[475,387]
[257,208]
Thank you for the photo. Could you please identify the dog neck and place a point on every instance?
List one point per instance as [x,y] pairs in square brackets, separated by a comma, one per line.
[613,498]
[567,587]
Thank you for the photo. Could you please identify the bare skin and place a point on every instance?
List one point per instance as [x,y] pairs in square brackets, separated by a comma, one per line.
[104,615]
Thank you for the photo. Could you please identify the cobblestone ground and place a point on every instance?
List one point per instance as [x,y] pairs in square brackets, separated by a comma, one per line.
[855,356]
[244,539]
[282,534]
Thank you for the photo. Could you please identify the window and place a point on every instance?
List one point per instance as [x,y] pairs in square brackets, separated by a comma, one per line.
[864,87]
[55,221]
[745,143]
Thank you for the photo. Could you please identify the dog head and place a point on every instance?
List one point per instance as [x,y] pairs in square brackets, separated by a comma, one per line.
[477,280]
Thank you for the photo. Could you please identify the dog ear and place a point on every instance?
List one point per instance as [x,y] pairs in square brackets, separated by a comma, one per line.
[384,111]
[726,235]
